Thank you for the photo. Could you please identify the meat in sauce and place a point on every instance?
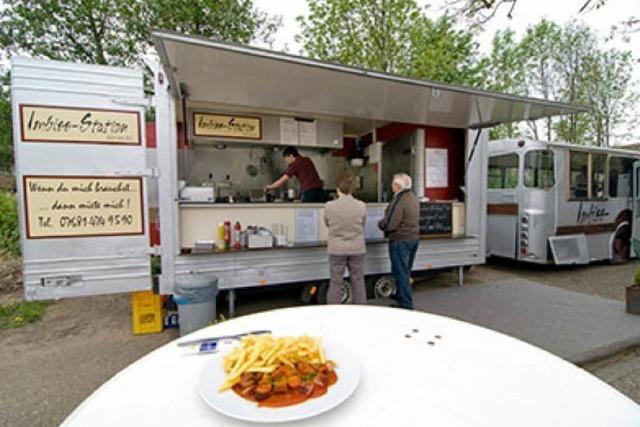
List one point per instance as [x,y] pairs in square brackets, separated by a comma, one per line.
[287,385]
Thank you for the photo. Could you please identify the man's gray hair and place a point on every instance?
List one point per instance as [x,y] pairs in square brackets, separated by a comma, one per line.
[403,181]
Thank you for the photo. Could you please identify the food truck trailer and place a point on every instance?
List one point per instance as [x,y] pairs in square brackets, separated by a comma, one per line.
[561,203]
[93,191]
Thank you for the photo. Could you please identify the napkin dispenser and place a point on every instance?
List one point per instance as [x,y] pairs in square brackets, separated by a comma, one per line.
[258,238]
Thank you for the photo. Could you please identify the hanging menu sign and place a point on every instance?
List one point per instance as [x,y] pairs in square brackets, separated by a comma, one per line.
[227,126]
[71,206]
[41,123]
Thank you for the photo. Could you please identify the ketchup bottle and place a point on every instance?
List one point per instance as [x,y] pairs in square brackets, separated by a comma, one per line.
[237,244]
[227,234]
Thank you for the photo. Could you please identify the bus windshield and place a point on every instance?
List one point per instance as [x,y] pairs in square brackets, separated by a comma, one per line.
[538,169]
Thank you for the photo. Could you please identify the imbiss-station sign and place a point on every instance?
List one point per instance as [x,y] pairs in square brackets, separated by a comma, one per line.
[81,206]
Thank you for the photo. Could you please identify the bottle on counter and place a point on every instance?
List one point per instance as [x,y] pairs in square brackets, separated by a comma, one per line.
[237,242]
[220,245]
[227,235]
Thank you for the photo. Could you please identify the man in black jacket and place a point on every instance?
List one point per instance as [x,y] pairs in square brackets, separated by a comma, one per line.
[401,226]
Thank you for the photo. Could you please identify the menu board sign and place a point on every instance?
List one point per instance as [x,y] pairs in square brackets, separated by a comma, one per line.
[435,218]
[74,206]
[226,126]
[41,123]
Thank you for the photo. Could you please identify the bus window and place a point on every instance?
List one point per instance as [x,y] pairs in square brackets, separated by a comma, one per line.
[503,171]
[620,172]
[538,169]
[598,175]
[578,175]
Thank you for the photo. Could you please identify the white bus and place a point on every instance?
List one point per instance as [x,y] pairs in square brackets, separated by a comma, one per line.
[561,203]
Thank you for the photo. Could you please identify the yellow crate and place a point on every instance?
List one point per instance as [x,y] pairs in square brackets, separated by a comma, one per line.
[146,312]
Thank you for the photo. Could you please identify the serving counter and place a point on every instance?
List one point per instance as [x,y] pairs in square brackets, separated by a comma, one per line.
[303,224]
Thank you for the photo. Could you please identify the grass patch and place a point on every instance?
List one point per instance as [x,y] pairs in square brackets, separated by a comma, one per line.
[18,313]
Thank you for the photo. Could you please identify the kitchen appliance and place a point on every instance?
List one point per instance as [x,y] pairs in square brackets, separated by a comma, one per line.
[258,237]
[223,192]
[292,194]
[198,194]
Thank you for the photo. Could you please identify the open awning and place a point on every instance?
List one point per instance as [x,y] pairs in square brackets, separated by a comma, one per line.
[252,79]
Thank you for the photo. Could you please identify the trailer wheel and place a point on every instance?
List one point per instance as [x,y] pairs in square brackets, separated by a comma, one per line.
[621,246]
[346,293]
[384,287]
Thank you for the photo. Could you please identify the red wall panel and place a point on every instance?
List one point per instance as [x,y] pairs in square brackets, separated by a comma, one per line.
[453,140]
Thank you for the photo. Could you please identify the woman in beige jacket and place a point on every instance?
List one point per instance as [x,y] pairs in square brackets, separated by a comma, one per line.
[345,218]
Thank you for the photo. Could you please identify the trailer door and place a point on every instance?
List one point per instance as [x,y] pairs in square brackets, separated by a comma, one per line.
[81,178]
[635,222]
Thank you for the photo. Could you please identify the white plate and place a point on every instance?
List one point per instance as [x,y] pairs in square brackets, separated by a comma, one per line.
[232,405]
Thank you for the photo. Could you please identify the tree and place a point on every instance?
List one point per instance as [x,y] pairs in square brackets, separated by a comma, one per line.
[389,35]
[226,20]
[577,44]
[606,78]
[540,50]
[116,32]
[479,12]
[92,31]
[445,54]
[373,34]
[506,73]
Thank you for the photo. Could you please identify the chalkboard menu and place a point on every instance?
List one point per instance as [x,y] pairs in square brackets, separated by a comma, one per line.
[435,218]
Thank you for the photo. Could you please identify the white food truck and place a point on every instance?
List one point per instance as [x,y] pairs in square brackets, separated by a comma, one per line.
[93,190]
[551,202]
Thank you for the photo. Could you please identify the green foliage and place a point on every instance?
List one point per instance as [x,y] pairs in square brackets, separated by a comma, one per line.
[636,278]
[6,131]
[390,35]
[443,53]
[9,228]
[18,313]
[566,64]
[117,32]
[227,20]
[92,31]
[374,34]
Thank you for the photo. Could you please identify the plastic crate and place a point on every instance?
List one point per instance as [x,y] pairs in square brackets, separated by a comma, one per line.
[146,312]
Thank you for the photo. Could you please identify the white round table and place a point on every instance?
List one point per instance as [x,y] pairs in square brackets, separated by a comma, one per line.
[471,376]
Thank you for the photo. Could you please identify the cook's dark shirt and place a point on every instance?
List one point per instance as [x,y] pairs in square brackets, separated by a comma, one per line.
[303,169]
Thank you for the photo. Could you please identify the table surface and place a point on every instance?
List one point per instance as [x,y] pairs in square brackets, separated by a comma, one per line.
[471,376]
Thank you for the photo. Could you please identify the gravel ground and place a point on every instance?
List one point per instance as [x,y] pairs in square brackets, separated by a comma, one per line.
[48,368]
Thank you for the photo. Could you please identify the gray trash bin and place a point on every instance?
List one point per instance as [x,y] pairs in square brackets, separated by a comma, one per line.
[196,300]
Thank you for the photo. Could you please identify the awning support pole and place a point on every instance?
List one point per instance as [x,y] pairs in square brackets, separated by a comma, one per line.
[473,149]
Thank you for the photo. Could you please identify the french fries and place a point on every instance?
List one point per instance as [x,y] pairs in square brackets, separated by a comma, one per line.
[265,353]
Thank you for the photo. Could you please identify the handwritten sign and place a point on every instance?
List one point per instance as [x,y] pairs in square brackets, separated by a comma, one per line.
[435,218]
[39,123]
[70,206]
[227,126]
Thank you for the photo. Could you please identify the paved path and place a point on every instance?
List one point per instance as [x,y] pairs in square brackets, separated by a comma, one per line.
[575,326]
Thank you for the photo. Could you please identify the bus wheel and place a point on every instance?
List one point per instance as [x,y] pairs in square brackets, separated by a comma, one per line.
[346,293]
[384,287]
[621,246]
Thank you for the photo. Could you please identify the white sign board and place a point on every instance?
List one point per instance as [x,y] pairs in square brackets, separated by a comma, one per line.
[306,225]
[436,168]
